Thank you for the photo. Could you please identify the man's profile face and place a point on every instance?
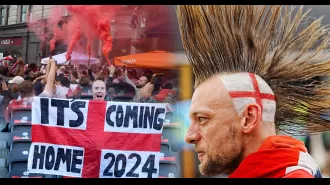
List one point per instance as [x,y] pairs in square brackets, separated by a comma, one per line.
[141,82]
[214,128]
[98,90]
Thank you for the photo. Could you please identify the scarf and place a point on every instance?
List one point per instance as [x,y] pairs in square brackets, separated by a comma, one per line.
[277,157]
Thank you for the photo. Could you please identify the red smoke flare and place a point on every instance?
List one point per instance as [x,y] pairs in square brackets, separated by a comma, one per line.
[57,36]
[89,46]
[96,21]
[53,25]
[90,22]
[52,45]
[75,37]
[104,31]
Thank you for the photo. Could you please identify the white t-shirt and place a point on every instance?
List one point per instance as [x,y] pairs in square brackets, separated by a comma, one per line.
[61,92]
[46,94]
[73,86]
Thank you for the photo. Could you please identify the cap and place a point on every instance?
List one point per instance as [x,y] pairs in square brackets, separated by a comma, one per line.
[16,80]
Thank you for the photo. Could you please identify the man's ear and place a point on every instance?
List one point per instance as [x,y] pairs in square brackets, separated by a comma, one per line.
[251,118]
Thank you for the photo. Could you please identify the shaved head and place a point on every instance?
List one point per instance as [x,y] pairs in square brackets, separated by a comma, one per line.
[246,88]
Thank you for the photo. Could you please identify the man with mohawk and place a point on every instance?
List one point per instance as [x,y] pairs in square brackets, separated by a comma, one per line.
[251,64]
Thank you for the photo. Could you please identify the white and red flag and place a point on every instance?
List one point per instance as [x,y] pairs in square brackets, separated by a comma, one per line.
[96,139]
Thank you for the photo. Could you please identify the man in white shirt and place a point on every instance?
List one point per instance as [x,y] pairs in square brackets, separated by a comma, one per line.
[62,88]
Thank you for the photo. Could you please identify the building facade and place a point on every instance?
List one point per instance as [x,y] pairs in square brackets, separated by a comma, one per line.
[16,39]
[155,30]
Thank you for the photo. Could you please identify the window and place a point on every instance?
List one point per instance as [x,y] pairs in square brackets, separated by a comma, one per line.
[2,16]
[23,13]
[66,13]
[63,10]
[30,18]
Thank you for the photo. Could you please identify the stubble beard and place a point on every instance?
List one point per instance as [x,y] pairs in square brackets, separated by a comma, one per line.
[218,164]
[211,167]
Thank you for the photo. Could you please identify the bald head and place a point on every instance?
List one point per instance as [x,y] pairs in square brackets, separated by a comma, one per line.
[98,90]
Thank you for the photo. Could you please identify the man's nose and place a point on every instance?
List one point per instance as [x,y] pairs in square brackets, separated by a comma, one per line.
[193,135]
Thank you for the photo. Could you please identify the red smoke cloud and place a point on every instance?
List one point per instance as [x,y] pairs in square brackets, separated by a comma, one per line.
[89,46]
[53,22]
[88,22]
[74,38]
[57,36]
[104,31]
[95,23]
[40,29]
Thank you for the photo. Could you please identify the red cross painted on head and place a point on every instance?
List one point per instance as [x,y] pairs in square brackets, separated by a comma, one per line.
[256,94]
[95,134]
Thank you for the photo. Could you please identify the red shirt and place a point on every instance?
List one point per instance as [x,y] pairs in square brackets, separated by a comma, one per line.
[26,102]
[278,157]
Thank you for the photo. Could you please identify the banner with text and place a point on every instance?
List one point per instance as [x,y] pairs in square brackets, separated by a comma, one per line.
[96,139]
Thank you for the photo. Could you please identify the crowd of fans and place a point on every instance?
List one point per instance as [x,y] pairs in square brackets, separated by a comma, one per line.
[21,82]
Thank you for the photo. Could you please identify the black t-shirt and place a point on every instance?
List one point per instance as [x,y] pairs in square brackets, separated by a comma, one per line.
[15,95]
[38,87]
[5,101]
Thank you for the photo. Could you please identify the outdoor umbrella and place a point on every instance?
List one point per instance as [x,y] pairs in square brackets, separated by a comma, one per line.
[155,59]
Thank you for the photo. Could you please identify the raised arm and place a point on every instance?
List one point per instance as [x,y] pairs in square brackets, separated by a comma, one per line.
[40,77]
[51,76]
[110,77]
[90,74]
[47,72]
[43,77]
[127,80]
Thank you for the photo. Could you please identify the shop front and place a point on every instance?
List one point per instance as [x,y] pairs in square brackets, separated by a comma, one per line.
[11,46]
[13,40]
